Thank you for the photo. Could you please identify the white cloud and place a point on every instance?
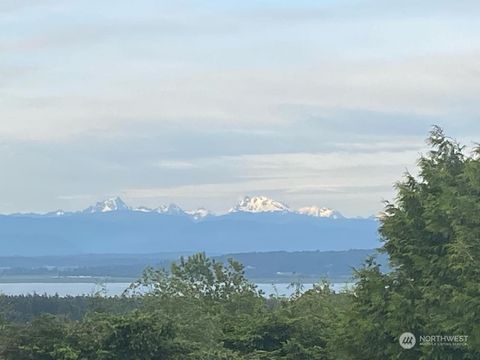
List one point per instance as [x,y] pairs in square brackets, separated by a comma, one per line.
[322,101]
[441,87]
[175,164]
[76,197]
[100,68]
[292,176]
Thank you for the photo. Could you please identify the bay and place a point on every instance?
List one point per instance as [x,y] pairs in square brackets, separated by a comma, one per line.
[113,289]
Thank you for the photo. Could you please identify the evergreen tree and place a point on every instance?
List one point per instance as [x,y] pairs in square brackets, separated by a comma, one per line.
[432,236]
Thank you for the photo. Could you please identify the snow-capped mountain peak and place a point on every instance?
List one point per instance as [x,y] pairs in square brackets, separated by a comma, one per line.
[320,212]
[199,213]
[112,204]
[258,204]
[171,209]
[255,204]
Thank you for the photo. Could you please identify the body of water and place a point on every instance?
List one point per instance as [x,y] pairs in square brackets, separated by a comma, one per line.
[112,289]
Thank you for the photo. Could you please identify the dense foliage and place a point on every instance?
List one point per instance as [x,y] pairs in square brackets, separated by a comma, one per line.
[204,309]
[432,236]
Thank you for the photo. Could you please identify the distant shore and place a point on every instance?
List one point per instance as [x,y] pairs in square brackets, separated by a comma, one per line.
[100,280]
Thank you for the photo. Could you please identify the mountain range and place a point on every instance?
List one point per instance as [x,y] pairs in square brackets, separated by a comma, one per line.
[253,224]
[256,204]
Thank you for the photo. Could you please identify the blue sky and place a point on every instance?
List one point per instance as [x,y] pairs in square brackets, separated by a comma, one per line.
[203,102]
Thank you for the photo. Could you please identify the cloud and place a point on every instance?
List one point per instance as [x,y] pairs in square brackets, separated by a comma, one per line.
[216,166]
[94,67]
[325,102]
[175,165]
[407,97]
[76,197]
[286,176]
[9,6]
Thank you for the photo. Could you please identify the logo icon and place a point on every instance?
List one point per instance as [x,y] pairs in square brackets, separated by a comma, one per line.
[407,340]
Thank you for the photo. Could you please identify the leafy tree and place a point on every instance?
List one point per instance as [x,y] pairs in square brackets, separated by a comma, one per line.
[43,339]
[198,277]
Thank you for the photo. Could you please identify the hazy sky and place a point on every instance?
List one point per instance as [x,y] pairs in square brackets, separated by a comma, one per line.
[203,102]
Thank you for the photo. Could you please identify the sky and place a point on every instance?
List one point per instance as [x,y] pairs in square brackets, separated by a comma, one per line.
[200,103]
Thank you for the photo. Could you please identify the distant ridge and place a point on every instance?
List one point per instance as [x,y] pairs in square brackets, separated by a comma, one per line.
[254,224]
[255,204]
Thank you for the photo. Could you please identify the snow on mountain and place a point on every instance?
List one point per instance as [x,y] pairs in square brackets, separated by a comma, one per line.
[174,209]
[142,209]
[259,204]
[117,204]
[171,209]
[255,204]
[112,204]
[199,213]
[58,212]
[320,212]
